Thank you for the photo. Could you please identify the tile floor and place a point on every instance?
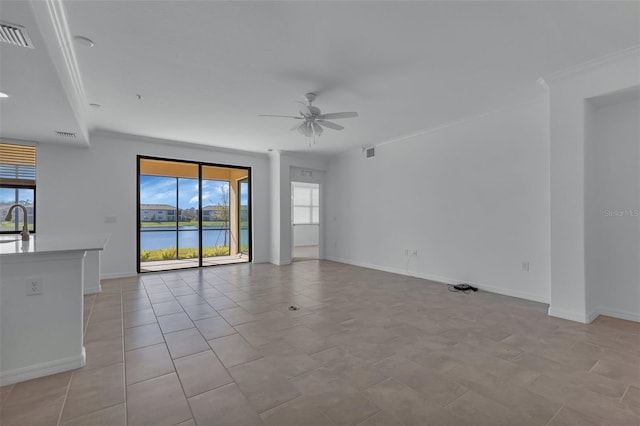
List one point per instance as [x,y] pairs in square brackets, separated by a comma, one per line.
[219,346]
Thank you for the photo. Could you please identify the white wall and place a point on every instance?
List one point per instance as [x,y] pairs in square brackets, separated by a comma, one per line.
[568,92]
[472,198]
[612,208]
[306,235]
[79,187]
[274,204]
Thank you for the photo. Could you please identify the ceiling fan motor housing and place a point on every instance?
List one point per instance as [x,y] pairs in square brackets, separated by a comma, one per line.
[314,110]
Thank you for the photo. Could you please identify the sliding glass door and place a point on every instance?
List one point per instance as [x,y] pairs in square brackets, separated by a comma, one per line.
[188,246]
[243,224]
[187,215]
[216,241]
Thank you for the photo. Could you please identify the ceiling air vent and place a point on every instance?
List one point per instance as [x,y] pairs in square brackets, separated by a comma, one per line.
[370,152]
[14,34]
[66,134]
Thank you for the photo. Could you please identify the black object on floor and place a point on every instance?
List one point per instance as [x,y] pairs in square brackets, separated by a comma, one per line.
[465,288]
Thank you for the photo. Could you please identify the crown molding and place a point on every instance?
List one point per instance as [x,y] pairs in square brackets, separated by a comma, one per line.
[591,64]
[459,122]
[51,18]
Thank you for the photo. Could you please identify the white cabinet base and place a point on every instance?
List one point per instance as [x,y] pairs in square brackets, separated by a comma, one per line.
[92,272]
[41,334]
[43,369]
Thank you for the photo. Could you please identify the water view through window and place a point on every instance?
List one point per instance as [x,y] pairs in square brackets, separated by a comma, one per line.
[188,215]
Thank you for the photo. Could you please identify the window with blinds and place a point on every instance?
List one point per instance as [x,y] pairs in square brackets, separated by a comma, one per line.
[17,186]
[17,164]
[306,203]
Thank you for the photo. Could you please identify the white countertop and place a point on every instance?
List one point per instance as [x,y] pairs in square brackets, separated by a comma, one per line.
[41,244]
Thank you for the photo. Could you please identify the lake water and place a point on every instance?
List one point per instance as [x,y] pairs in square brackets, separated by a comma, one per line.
[164,237]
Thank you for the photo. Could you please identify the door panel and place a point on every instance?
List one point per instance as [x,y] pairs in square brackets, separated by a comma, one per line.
[243,223]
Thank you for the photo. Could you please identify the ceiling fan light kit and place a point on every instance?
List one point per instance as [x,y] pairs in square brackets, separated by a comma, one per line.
[313,120]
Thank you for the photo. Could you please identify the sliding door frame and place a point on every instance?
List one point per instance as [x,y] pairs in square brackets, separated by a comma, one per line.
[200,165]
[239,182]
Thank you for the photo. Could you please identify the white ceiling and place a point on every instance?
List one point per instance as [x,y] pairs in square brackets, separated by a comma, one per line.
[206,69]
[38,105]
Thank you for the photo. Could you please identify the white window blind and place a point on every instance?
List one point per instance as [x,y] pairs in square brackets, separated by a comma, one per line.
[306,204]
[17,186]
[17,165]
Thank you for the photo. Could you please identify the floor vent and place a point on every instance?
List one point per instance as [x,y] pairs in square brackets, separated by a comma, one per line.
[66,134]
[14,34]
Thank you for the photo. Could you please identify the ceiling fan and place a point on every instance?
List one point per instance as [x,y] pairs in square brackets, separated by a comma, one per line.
[313,120]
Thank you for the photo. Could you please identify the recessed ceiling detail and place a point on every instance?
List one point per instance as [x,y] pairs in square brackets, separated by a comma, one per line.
[15,34]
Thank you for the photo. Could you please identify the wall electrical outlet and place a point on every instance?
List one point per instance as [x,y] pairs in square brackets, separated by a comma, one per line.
[34,286]
[525,266]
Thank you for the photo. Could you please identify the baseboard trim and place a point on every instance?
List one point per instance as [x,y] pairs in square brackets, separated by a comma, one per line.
[115,275]
[616,313]
[43,369]
[444,280]
[590,316]
[573,316]
[93,290]
[512,293]
[279,262]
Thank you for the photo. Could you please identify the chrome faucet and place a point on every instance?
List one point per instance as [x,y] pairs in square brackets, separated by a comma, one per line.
[25,226]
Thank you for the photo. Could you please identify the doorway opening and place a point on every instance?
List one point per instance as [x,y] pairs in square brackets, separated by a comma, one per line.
[305,214]
[192,214]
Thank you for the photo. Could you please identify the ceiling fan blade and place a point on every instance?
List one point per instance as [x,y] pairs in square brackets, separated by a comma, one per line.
[330,125]
[285,116]
[297,126]
[304,109]
[333,115]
